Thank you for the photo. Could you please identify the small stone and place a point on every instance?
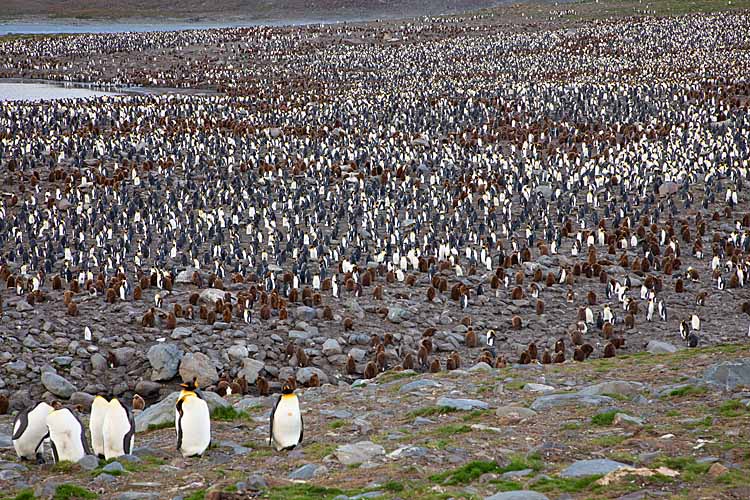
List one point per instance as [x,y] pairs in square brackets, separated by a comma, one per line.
[105,478]
[417,384]
[82,398]
[113,467]
[517,495]
[514,412]
[554,400]
[147,388]
[625,419]
[304,473]
[717,470]
[481,367]
[538,388]
[256,483]
[357,453]
[659,347]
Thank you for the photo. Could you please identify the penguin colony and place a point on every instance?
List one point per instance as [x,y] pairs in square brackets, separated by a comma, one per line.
[578,192]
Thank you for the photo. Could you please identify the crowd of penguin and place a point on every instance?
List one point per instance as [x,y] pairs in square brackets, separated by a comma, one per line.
[112,427]
[488,176]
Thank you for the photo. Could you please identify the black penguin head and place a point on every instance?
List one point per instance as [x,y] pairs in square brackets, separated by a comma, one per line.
[287,389]
[190,386]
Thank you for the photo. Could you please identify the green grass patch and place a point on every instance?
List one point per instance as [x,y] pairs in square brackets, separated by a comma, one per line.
[429,411]
[473,470]
[27,494]
[439,444]
[515,385]
[163,425]
[504,485]
[317,450]
[566,485]
[302,492]
[475,415]
[337,424]
[393,486]
[732,408]
[688,390]
[690,469]
[196,495]
[604,419]
[571,426]
[228,414]
[607,441]
[451,429]
[73,492]
[65,467]
[393,376]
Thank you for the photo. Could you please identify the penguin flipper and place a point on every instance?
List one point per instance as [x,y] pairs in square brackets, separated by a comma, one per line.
[23,420]
[301,428]
[273,413]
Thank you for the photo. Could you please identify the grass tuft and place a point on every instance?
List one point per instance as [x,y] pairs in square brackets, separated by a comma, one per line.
[732,408]
[71,492]
[228,414]
[566,485]
[429,411]
[605,418]
[688,390]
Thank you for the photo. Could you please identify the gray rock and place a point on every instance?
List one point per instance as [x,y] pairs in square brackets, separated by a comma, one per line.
[181,332]
[625,419]
[481,367]
[147,388]
[357,354]
[357,453]
[518,412]
[82,398]
[6,442]
[517,473]
[164,359]
[417,385]
[251,368]
[409,452]
[256,483]
[198,365]
[113,467]
[303,375]
[238,353]
[9,475]
[553,400]
[398,314]
[728,375]
[591,467]
[185,277]
[162,412]
[58,385]
[137,495]
[98,362]
[659,347]
[331,347]
[18,366]
[463,404]
[304,473]
[104,478]
[623,387]
[211,295]
[23,306]
[305,313]
[517,495]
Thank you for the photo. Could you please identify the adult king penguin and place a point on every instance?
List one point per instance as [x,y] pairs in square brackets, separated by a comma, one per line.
[118,430]
[286,421]
[29,430]
[67,435]
[192,421]
[99,409]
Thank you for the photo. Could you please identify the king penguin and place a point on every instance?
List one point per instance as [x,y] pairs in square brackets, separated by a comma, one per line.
[286,421]
[118,430]
[29,430]
[67,436]
[99,409]
[193,422]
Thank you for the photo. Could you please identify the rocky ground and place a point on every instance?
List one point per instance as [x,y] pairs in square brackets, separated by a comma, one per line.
[637,426]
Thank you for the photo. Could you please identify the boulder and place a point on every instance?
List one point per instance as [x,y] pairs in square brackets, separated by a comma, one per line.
[58,385]
[514,412]
[659,347]
[553,400]
[165,360]
[622,387]
[593,467]
[331,347]
[211,295]
[198,365]
[517,495]
[303,375]
[251,368]
[417,385]
[728,375]
[463,404]
[185,277]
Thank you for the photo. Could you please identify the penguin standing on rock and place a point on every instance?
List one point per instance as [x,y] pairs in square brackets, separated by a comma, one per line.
[67,435]
[192,421]
[29,430]
[286,421]
[118,430]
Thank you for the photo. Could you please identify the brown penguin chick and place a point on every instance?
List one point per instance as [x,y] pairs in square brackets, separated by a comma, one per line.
[618,342]
[576,337]
[194,299]
[533,351]
[67,297]
[348,324]
[380,360]
[111,296]
[431,293]
[211,318]
[147,321]
[435,366]
[587,350]
[408,362]
[370,370]
[73,286]
[516,323]
[560,345]
[550,280]
[265,312]
[746,307]
[314,381]
[171,322]
[388,339]
[236,387]
[578,354]
[629,321]
[525,358]
[429,332]
[203,312]
[302,359]
[262,385]
[519,278]
[137,293]
[449,364]
[539,307]
[411,280]
[227,314]
[422,355]
[538,275]
[177,310]
[427,343]
[559,357]
[470,339]
[608,330]
[219,284]
[283,314]
[327,313]
[374,340]
[138,402]
[591,298]
[317,299]
[223,388]
[189,312]
[500,362]
[570,296]
[456,360]
[700,299]
[517,293]
[57,283]
[609,351]
[679,286]
[546,358]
